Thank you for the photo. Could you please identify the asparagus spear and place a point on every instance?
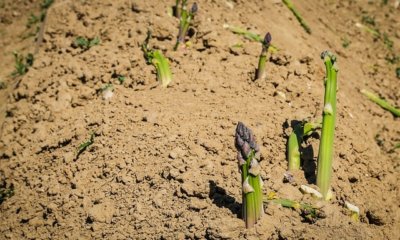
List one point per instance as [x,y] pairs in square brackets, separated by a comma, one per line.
[185,19]
[381,102]
[291,7]
[248,156]
[328,126]
[295,139]
[261,73]
[161,63]
[293,151]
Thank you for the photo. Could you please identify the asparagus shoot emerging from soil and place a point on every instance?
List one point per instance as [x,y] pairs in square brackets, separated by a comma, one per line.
[85,43]
[325,154]
[291,7]
[85,145]
[295,139]
[157,59]
[261,73]
[248,156]
[385,105]
[294,151]
[185,19]
[22,63]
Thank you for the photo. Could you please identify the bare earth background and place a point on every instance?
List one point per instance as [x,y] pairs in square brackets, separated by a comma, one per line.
[163,164]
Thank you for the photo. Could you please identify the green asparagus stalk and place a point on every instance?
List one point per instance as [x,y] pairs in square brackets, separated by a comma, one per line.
[248,156]
[157,59]
[328,126]
[261,73]
[385,105]
[294,152]
[185,19]
[295,139]
[291,7]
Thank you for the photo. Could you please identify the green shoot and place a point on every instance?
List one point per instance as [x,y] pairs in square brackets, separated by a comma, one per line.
[249,35]
[372,31]
[185,19]
[387,41]
[46,4]
[22,63]
[366,19]
[309,213]
[294,151]
[3,85]
[291,7]
[6,192]
[121,79]
[106,87]
[85,43]
[325,154]
[396,146]
[300,131]
[85,145]
[157,59]
[32,20]
[381,102]
[261,73]
[248,156]
[346,42]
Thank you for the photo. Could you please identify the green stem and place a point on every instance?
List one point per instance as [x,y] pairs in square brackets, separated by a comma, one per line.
[261,73]
[291,7]
[328,127]
[252,201]
[293,152]
[385,105]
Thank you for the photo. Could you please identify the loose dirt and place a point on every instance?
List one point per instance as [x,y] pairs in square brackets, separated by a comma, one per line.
[163,162]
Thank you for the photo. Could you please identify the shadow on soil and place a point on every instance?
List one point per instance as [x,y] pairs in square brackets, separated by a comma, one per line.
[220,198]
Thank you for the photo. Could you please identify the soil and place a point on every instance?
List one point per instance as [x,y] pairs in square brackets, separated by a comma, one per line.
[163,161]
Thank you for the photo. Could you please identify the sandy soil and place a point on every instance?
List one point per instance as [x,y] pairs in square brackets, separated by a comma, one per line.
[163,163]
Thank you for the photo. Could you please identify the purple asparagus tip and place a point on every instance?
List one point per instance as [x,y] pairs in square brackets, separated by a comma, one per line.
[194,8]
[267,39]
[245,141]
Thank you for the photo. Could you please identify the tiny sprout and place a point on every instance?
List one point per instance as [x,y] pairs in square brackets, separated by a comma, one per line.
[266,43]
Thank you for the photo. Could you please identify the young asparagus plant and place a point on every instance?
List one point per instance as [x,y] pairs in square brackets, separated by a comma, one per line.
[291,7]
[185,19]
[261,73]
[300,131]
[158,60]
[248,156]
[325,154]
[385,105]
[293,151]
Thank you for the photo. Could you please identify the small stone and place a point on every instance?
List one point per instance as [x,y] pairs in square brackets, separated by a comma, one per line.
[197,204]
[102,212]
[150,118]
[176,152]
